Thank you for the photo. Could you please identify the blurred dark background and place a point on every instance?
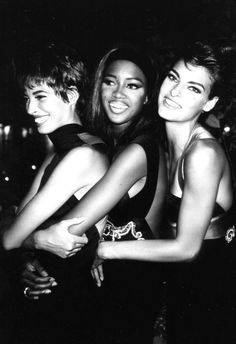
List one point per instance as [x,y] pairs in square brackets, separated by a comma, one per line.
[92,27]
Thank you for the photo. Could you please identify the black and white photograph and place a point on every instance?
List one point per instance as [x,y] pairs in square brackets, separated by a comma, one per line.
[118,172]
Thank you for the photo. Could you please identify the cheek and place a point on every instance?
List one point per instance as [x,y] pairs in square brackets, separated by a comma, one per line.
[138,105]
[103,98]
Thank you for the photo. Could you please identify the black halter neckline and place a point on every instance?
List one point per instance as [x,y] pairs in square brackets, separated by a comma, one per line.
[63,137]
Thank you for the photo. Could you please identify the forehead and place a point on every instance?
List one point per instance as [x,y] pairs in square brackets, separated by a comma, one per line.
[41,86]
[191,73]
[126,69]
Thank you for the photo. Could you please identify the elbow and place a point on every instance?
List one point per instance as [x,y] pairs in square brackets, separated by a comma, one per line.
[187,253]
[7,243]
[187,258]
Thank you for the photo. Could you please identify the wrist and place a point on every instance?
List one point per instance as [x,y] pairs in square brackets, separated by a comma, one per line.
[106,250]
[38,240]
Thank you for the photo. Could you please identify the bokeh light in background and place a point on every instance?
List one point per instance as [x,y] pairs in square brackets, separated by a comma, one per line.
[91,27]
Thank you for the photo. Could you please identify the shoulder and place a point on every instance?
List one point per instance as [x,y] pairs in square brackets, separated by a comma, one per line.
[149,144]
[85,158]
[205,154]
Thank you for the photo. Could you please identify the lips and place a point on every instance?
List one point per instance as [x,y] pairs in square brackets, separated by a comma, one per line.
[40,120]
[170,104]
[118,107]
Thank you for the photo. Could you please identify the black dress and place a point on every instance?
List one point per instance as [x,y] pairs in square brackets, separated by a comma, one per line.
[131,290]
[201,294]
[67,315]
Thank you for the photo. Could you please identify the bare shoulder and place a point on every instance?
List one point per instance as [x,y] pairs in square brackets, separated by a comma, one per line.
[133,150]
[87,158]
[205,153]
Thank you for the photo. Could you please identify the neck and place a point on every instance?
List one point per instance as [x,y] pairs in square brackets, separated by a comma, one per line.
[76,119]
[178,134]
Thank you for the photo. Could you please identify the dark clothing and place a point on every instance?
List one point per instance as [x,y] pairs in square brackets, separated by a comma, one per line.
[130,293]
[201,294]
[68,314]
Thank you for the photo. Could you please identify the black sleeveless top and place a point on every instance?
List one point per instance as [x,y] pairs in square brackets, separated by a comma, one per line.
[65,139]
[136,208]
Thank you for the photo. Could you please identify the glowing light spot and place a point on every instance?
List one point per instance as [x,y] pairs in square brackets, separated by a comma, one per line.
[6,179]
[34,167]
[226,129]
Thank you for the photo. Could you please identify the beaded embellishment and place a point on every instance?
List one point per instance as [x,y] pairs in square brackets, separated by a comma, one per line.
[117,233]
[230,234]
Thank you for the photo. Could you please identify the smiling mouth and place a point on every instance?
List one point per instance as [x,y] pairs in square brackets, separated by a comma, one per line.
[40,120]
[118,107]
[170,104]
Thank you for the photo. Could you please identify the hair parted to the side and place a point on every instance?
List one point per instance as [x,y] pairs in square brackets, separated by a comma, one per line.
[219,58]
[146,120]
[60,67]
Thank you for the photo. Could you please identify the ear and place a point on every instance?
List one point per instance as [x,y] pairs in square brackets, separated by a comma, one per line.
[210,104]
[73,95]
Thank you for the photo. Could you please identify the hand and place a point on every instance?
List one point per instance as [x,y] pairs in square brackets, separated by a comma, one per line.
[57,239]
[97,271]
[35,280]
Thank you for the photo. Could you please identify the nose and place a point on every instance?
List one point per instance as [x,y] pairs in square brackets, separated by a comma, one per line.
[31,107]
[176,90]
[118,92]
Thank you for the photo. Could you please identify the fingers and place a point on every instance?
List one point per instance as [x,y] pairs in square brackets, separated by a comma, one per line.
[39,269]
[72,252]
[36,280]
[71,222]
[96,276]
[32,294]
[80,240]
[100,272]
[79,243]
[97,273]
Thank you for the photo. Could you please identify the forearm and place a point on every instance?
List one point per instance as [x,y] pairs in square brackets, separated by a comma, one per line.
[147,250]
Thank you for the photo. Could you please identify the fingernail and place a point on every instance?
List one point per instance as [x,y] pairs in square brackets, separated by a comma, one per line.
[54,284]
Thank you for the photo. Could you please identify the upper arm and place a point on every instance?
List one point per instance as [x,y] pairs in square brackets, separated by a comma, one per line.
[36,182]
[126,169]
[202,174]
[79,168]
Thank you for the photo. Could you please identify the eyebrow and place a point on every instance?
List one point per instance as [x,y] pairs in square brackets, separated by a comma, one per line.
[38,91]
[131,78]
[190,82]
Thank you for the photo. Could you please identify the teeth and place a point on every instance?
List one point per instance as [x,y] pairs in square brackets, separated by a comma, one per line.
[40,120]
[118,107]
[170,103]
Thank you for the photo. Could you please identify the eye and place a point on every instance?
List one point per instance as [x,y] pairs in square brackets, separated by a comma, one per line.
[108,82]
[40,96]
[171,76]
[133,86]
[194,89]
